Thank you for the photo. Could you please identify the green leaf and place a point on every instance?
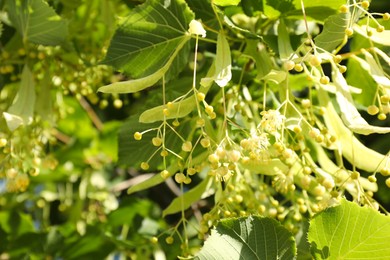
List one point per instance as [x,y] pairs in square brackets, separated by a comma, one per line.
[349,232]
[350,114]
[226,2]
[37,22]
[180,108]
[249,238]
[150,38]
[316,9]
[270,167]
[258,52]
[333,33]
[282,6]
[359,75]
[184,201]
[275,76]
[284,45]
[223,61]
[22,109]
[136,85]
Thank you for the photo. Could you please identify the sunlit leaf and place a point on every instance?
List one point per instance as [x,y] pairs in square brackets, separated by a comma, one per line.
[136,85]
[376,71]
[179,108]
[267,167]
[349,232]
[284,45]
[37,22]
[276,76]
[333,33]
[223,62]
[249,238]
[377,37]
[257,51]
[350,114]
[150,38]
[226,2]
[352,148]
[22,109]
[184,201]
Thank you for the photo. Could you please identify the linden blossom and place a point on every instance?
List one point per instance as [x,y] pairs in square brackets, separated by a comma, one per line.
[197,28]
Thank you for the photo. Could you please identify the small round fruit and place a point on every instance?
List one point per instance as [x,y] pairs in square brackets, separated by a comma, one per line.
[201,96]
[386,16]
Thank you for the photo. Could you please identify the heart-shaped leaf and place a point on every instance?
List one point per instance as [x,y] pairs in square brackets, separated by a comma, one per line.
[249,238]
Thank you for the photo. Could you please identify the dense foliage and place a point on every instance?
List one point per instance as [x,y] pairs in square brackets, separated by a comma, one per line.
[140,129]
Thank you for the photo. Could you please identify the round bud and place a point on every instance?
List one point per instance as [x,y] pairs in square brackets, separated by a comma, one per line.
[213,158]
[234,156]
[165,111]
[324,80]
[342,69]
[388,182]
[385,98]
[187,180]
[337,59]
[298,67]
[200,96]
[187,146]
[343,9]
[157,141]
[180,177]
[307,170]
[382,116]
[164,153]
[144,166]
[137,136]
[164,174]
[365,4]
[349,31]
[200,122]
[169,105]
[205,142]
[289,65]
[386,16]
[3,142]
[372,110]
[355,175]
[118,103]
[385,171]
[297,129]
[315,60]
[169,240]
[380,28]
[306,103]
[372,178]
[154,240]
[191,171]
[176,123]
